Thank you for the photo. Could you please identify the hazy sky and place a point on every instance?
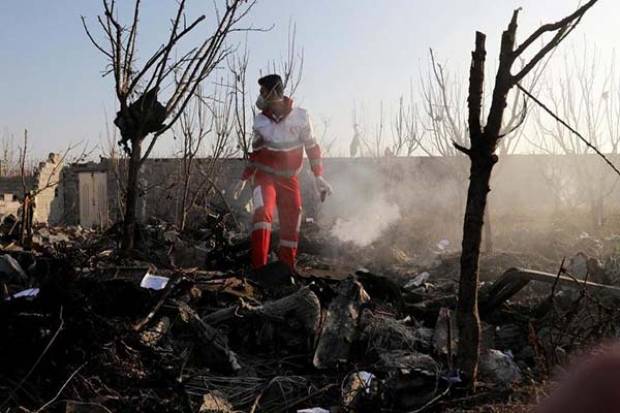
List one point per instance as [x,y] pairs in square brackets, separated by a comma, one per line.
[358,53]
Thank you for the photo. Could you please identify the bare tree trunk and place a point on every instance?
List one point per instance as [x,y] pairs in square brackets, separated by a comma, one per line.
[137,87]
[483,144]
[25,237]
[129,223]
[483,158]
[467,315]
[488,230]
[187,170]
[468,320]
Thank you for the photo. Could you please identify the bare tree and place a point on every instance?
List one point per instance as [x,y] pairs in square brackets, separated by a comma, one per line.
[9,158]
[484,141]
[442,96]
[206,126]
[290,67]
[242,106]
[585,94]
[407,133]
[376,146]
[444,120]
[373,144]
[193,126]
[138,87]
[394,134]
[445,117]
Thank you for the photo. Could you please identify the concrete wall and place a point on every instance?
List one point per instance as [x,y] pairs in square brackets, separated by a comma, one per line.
[162,180]
[9,204]
[45,183]
[48,187]
[425,186]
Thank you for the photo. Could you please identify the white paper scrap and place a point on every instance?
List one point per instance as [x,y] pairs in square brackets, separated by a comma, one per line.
[154,282]
[30,292]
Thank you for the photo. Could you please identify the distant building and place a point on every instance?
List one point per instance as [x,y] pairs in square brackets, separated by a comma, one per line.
[46,186]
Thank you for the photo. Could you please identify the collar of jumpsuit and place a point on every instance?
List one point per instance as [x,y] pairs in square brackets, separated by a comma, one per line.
[275,161]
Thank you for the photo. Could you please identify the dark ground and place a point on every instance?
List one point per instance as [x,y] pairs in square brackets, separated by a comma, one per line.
[94,340]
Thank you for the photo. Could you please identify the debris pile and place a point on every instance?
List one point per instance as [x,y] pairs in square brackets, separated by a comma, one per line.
[184,327]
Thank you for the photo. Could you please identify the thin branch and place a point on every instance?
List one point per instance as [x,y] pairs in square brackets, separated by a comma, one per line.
[65,384]
[551,27]
[560,120]
[93,41]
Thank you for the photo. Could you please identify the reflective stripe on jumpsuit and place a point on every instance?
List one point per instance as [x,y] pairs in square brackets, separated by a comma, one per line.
[272,191]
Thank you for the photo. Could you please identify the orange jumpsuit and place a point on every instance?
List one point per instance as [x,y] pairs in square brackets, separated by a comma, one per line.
[275,162]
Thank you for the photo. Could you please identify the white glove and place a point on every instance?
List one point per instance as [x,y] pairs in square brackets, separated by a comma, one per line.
[238,189]
[323,188]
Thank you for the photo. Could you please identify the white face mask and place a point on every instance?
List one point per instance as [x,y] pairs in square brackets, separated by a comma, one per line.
[261,102]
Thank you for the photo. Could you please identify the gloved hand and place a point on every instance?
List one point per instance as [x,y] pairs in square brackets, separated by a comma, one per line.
[238,189]
[323,188]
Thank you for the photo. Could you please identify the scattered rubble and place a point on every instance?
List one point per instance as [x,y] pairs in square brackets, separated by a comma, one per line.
[85,328]
[10,270]
[499,367]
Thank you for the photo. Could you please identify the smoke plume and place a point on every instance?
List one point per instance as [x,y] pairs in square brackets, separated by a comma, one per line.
[367,222]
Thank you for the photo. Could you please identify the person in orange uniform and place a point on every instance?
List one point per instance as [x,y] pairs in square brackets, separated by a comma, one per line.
[281,132]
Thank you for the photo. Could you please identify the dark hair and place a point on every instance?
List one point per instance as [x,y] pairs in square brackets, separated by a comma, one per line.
[272,83]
